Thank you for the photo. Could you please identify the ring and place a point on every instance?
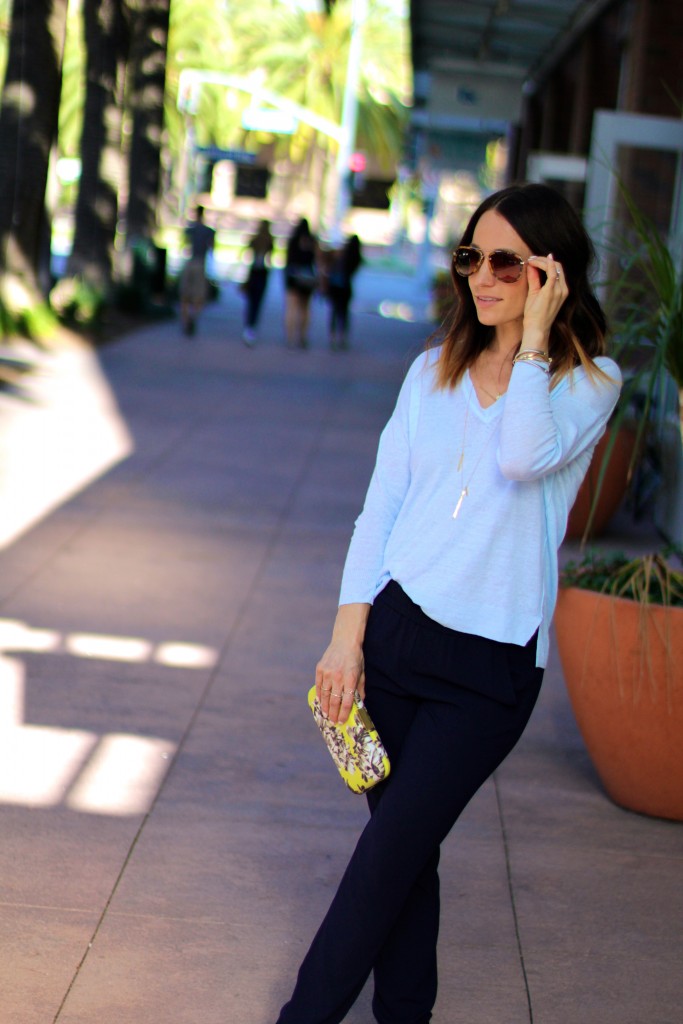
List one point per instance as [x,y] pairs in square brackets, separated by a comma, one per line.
[335,695]
[326,690]
[558,273]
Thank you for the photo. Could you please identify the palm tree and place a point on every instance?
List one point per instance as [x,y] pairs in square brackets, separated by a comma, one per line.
[106,40]
[28,127]
[200,36]
[303,57]
[145,101]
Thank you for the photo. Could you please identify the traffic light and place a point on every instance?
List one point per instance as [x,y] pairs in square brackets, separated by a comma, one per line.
[357,164]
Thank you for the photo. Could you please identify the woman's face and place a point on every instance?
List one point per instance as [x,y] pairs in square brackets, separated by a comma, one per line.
[498,303]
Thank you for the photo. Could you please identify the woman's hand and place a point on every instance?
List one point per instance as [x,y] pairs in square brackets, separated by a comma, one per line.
[543,301]
[341,671]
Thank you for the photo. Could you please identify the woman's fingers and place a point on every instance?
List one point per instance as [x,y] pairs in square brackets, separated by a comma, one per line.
[336,680]
[544,300]
[340,705]
[336,702]
[551,267]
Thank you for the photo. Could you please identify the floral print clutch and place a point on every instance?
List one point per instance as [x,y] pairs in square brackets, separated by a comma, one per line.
[355,745]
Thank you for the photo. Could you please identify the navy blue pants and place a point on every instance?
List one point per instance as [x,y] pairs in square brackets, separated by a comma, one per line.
[449,707]
[340,299]
[255,290]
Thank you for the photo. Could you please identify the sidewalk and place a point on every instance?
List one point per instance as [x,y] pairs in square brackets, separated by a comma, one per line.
[171,826]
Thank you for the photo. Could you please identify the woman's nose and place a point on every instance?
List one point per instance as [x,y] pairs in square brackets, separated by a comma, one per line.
[483,274]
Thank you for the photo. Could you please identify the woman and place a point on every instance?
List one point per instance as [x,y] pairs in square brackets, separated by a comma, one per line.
[343,266]
[451,579]
[300,283]
[261,247]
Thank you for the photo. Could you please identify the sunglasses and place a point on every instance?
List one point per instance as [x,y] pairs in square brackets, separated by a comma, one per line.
[505,265]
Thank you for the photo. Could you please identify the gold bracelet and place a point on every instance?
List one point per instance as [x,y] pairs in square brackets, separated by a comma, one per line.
[532,355]
[542,363]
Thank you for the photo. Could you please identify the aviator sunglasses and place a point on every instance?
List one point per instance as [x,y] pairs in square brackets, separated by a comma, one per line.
[505,265]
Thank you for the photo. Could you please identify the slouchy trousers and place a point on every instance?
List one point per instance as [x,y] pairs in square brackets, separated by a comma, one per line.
[449,707]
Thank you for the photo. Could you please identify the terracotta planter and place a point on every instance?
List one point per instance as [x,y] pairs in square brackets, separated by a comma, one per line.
[613,486]
[623,667]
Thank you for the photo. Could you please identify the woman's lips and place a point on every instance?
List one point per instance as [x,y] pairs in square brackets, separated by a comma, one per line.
[486,300]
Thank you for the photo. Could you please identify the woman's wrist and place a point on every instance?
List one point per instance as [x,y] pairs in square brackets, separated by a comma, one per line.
[535,340]
[350,623]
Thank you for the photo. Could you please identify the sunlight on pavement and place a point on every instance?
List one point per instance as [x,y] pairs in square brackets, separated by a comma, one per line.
[45,766]
[59,436]
[17,636]
[186,655]
[122,776]
[110,647]
[37,764]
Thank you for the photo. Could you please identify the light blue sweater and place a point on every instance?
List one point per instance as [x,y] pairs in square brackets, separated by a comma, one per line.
[492,570]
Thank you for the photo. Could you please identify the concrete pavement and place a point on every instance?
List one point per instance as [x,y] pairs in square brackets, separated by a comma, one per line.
[174,520]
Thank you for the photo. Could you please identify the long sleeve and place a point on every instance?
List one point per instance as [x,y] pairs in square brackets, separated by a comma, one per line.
[386,493]
[544,430]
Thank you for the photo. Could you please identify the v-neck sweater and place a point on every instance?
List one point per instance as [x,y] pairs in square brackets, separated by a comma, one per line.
[492,570]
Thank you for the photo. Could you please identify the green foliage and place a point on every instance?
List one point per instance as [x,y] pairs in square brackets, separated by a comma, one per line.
[201,36]
[5,14]
[302,57]
[647,301]
[645,309]
[77,302]
[73,85]
[648,579]
[36,322]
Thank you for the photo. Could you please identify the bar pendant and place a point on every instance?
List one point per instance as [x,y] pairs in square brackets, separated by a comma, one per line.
[463,495]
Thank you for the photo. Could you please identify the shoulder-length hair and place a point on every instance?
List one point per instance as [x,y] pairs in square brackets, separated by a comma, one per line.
[547,223]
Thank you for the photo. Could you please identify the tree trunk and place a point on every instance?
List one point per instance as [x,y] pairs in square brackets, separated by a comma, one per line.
[106,40]
[28,128]
[149,40]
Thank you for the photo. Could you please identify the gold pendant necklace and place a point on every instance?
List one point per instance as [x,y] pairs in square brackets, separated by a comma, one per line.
[494,397]
[499,394]
[461,461]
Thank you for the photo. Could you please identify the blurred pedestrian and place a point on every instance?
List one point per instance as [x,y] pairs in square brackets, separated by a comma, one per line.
[200,239]
[343,265]
[301,280]
[261,247]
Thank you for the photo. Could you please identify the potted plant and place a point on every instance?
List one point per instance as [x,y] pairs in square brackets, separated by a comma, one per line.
[619,630]
[645,306]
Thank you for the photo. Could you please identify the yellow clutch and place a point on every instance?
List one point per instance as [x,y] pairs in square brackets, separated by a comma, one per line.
[355,745]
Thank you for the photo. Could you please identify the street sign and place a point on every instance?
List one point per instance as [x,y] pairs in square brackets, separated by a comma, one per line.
[262,119]
[215,153]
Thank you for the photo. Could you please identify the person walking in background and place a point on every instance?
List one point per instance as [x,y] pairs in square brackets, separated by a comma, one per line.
[343,265]
[261,247]
[193,284]
[450,581]
[301,280]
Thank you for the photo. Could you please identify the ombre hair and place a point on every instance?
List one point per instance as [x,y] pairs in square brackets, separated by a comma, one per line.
[547,223]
